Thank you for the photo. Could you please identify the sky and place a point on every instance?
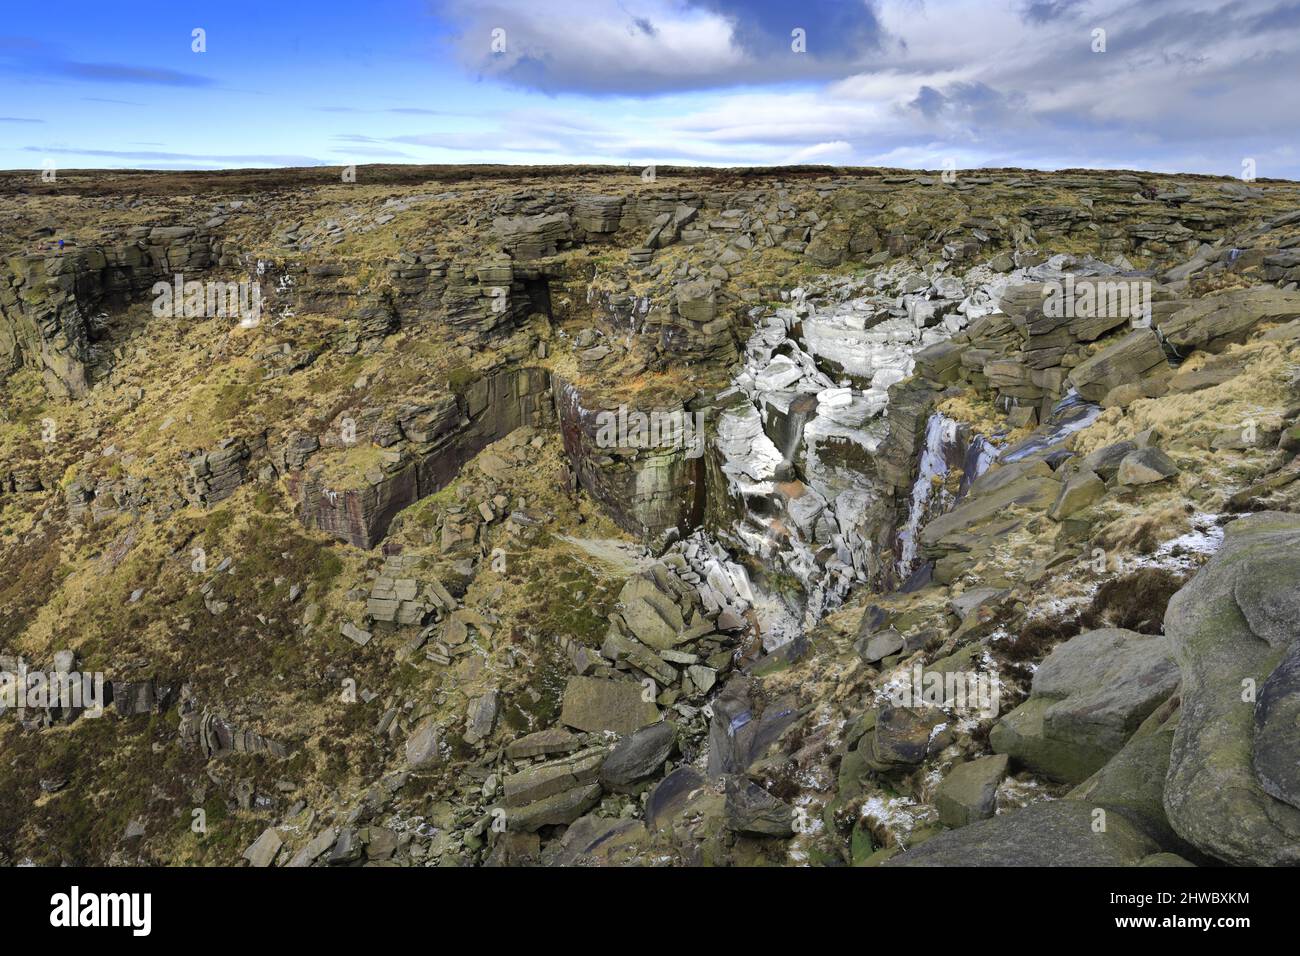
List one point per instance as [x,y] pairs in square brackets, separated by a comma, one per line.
[1160,85]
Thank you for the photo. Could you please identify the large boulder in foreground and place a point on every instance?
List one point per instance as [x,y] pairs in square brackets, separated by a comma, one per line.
[1134,779]
[1232,629]
[1087,698]
[1051,833]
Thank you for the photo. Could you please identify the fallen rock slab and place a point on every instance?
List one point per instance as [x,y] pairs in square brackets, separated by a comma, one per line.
[595,704]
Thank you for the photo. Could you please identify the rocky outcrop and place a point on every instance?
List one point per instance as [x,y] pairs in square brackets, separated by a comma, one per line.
[532,237]
[216,475]
[646,486]
[1213,323]
[491,407]
[48,303]
[1231,629]
[1130,359]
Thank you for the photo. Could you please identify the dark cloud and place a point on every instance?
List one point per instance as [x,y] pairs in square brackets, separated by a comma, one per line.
[1048,11]
[969,103]
[19,119]
[692,44]
[835,29]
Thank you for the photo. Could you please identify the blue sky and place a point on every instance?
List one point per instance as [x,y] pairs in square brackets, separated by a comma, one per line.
[1181,85]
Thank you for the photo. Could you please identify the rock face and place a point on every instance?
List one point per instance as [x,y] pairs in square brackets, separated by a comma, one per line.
[1088,697]
[646,490]
[1231,629]
[904,467]
[1276,765]
[47,301]
[215,475]
[1136,355]
[492,407]
[1215,322]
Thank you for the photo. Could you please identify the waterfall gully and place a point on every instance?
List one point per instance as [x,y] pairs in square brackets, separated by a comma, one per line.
[946,447]
[800,432]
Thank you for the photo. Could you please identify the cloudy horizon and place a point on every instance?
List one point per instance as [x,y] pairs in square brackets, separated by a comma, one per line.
[1164,86]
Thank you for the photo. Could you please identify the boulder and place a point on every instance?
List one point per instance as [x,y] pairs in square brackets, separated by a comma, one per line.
[672,795]
[1082,489]
[1051,833]
[560,809]
[638,755]
[900,738]
[969,792]
[315,848]
[1134,779]
[481,718]
[1133,357]
[1104,462]
[547,779]
[1232,628]
[1213,323]
[599,841]
[751,809]
[543,743]
[881,645]
[651,616]
[264,849]
[1087,698]
[422,745]
[1144,466]
[1031,491]
[738,734]
[595,704]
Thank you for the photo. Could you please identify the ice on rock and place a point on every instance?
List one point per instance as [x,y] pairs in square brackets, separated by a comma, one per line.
[805,509]
[847,349]
[831,397]
[781,373]
[886,377]
[745,448]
